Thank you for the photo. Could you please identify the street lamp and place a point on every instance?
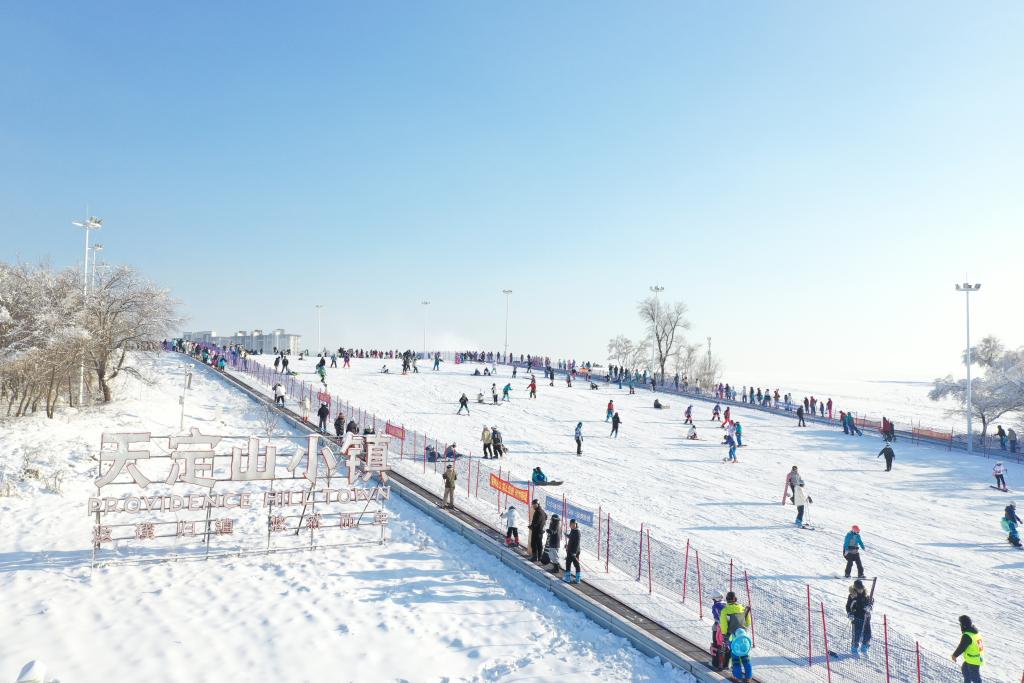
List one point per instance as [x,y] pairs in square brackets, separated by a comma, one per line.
[318,345]
[95,248]
[87,224]
[426,304]
[507,293]
[967,288]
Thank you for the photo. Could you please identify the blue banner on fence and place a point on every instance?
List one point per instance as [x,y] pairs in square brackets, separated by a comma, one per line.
[553,506]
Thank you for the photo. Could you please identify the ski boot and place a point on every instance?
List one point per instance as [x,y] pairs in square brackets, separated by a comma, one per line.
[567,577]
[579,577]
[864,649]
[853,649]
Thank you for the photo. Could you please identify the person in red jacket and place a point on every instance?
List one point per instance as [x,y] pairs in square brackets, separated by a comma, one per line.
[611,411]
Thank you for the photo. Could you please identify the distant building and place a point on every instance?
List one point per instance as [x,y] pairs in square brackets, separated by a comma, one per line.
[255,340]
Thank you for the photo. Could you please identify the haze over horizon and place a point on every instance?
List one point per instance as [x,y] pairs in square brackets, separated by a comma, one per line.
[811,180]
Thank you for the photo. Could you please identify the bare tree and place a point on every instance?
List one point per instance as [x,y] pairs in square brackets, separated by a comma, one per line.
[620,351]
[125,313]
[665,324]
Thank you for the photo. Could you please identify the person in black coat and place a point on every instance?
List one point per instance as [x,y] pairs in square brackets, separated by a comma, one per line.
[572,553]
[858,609]
[339,425]
[352,427]
[537,520]
[889,454]
[323,414]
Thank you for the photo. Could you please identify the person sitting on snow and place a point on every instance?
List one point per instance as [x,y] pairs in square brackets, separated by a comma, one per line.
[692,435]
[657,404]
[384,370]
[450,453]
[539,477]
[480,397]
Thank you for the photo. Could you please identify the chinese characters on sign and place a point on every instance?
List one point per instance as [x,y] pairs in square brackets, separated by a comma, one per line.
[320,484]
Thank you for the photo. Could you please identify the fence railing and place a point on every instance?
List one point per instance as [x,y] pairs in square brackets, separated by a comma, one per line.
[788,620]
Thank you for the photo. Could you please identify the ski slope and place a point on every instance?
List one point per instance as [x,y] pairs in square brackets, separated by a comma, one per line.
[931,526]
[428,606]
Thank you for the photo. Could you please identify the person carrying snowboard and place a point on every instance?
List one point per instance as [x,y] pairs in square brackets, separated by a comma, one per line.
[858,611]
[999,472]
[852,545]
[889,454]
[463,404]
[579,438]
[616,421]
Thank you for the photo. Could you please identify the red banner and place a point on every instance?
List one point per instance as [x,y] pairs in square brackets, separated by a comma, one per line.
[395,431]
[510,490]
[324,397]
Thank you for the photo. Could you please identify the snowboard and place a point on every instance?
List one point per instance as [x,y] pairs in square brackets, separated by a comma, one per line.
[550,483]
[999,489]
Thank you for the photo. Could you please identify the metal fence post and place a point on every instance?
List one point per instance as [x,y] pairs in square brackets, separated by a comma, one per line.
[700,588]
[810,652]
[608,542]
[824,630]
[686,567]
[650,576]
[885,632]
[640,557]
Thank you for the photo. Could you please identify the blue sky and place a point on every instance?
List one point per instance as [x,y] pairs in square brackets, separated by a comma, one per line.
[811,178]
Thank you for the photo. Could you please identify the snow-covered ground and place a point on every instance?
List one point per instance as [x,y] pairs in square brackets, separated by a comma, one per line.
[931,526]
[427,606]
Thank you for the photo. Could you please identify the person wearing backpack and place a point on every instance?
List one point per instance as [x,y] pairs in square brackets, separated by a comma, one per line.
[740,645]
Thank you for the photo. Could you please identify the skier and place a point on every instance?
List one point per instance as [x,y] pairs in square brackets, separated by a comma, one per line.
[858,610]
[506,390]
[537,521]
[972,649]
[553,544]
[852,545]
[1010,522]
[616,421]
[829,404]
[463,403]
[533,387]
[610,411]
[334,360]
[511,530]
[999,472]
[572,554]
[731,442]
[800,499]
[889,456]
[800,416]
[323,413]
[449,476]
[739,435]
[689,415]
[716,413]
[725,416]
[579,438]
[487,440]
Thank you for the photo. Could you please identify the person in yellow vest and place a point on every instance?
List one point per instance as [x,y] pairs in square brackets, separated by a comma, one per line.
[972,649]
[734,620]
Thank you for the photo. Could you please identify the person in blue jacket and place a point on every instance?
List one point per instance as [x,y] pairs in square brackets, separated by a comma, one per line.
[732,448]
[579,438]
[539,477]
[852,545]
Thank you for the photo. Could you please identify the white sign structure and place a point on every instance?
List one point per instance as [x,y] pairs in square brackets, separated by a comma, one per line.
[268,495]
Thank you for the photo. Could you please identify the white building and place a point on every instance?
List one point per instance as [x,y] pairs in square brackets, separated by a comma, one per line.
[255,340]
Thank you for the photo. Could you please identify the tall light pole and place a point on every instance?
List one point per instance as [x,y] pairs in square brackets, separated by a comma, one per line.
[87,224]
[426,305]
[967,288]
[507,293]
[92,277]
[658,289]
[318,345]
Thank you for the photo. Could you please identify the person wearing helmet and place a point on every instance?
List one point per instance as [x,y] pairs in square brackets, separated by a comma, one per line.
[999,472]
[740,645]
[1010,521]
[719,645]
[852,545]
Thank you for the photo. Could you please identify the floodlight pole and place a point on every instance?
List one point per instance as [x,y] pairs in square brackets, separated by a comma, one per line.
[507,293]
[967,288]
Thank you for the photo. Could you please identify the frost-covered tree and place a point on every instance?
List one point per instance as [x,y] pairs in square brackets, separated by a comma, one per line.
[998,392]
[620,351]
[665,325]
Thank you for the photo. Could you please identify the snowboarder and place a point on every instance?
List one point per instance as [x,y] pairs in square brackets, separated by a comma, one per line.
[487,438]
[537,521]
[1010,522]
[731,442]
[889,454]
[739,435]
[323,413]
[610,411]
[616,421]
[553,544]
[692,434]
[538,476]
[852,545]
[972,649]
[579,438]
[511,530]
[450,476]
[999,472]
[494,394]
[858,610]
[506,390]
[463,404]
[716,413]
[800,499]
[572,554]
